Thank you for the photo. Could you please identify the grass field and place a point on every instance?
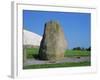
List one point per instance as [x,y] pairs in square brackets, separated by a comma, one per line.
[71,53]
[32,52]
[56,65]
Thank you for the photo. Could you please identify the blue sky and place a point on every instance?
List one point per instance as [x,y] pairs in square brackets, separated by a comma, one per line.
[76,26]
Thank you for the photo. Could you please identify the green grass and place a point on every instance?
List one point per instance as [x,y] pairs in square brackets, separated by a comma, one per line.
[32,52]
[56,65]
[73,53]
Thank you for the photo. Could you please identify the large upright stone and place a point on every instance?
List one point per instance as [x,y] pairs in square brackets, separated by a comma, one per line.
[53,43]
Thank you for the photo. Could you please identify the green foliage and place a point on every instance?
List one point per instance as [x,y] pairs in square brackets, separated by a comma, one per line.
[88,49]
[77,48]
[80,48]
[56,65]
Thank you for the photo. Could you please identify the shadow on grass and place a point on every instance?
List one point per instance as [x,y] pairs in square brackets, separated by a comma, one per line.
[36,56]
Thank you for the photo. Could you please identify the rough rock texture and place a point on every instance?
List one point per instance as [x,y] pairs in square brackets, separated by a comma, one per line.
[53,43]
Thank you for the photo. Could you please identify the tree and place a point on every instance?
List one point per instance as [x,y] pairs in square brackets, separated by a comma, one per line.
[77,48]
[88,49]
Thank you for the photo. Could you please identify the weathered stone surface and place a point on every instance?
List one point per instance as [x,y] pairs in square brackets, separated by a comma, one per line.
[53,43]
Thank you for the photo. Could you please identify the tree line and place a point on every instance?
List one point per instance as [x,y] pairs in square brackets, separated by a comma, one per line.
[80,48]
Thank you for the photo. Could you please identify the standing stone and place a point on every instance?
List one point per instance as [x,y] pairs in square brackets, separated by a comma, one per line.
[53,43]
